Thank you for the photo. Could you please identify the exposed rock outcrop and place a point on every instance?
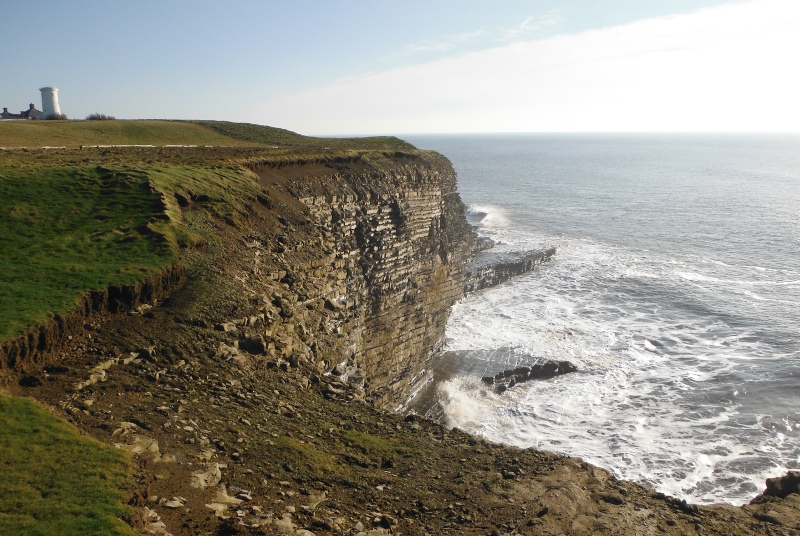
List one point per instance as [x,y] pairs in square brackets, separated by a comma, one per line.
[539,371]
[395,239]
[491,269]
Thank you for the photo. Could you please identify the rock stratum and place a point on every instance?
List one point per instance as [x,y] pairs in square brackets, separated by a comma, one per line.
[251,390]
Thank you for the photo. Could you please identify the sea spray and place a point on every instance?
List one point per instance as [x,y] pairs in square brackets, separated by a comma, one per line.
[674,291]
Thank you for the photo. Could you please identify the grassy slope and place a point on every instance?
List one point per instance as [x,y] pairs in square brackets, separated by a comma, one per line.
[55,480]
[159,132]
[278,136]
[67,230]
[75,133]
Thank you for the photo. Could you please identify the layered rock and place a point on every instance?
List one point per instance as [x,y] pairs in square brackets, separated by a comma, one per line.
[491,269]
[395,241]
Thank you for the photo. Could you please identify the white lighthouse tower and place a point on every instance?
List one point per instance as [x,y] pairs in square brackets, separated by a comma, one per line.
[50,101]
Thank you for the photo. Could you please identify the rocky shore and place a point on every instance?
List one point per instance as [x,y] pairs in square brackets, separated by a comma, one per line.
[252,395]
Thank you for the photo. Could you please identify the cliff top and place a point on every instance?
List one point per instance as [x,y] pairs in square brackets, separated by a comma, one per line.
[162,132]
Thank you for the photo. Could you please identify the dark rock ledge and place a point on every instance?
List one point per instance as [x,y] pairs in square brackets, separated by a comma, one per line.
[539,371]
[491,269]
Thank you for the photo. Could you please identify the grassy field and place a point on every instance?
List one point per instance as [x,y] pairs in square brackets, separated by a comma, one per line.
[76,133]
[159,132]
[56,481]
[67,230]
[277,136]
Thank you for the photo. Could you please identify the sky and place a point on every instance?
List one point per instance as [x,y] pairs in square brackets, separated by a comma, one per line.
[355,67]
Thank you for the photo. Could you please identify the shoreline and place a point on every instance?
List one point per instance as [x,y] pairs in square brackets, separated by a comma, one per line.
[256,386]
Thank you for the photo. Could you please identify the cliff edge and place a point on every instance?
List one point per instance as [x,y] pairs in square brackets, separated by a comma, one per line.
[250,395]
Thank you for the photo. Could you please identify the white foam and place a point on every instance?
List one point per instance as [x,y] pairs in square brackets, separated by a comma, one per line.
[657,398]
[488,216]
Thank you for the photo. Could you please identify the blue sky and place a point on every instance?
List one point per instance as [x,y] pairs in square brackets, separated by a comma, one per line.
[366,67]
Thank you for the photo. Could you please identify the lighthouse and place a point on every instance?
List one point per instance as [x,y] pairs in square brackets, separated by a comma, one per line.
[50,101]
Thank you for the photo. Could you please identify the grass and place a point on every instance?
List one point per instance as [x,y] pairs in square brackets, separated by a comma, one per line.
[76,133]
[298,454]
[278,136]
[55,480]
[376,447]
[66,230]
[224,190]
[161,132]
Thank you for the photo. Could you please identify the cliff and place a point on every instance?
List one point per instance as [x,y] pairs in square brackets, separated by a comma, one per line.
[247,394]
[397,241]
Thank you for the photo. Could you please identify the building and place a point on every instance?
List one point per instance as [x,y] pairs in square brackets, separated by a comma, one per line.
[49,107]
[50,101]
[30,113]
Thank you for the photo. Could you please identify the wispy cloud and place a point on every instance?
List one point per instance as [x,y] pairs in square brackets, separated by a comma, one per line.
[530,26]
[729,68]
[449,43]
[525,29]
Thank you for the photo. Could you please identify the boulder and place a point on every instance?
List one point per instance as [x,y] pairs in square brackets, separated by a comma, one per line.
[781,486]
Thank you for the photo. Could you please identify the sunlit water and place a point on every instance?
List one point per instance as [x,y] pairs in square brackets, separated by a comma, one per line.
[675,290]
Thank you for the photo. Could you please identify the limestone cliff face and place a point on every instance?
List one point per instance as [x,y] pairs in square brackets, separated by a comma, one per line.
[395,241]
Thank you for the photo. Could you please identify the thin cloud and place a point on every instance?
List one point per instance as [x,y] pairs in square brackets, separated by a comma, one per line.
[489,37]
[531,25]
[450,43]
[728,68]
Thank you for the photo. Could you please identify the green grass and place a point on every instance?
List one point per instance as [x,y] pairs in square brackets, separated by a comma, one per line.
[224,189]
[307,455]
[145,132]
[377,447]
[161,132]
[277,136]
[66,230]
[53,480]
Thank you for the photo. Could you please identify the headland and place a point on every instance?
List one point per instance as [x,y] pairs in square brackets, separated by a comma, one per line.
[238,309]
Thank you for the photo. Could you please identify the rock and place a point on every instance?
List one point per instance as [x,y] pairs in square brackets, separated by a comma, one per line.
[173,504]
[223,497]
[612,498]
[314,500]
[781,486]
[329,389]
[284,525]
[218,508]
[30,381]
[208,478]
[509,378]
[254,345]
[333,305]
[148,353]
[225,327]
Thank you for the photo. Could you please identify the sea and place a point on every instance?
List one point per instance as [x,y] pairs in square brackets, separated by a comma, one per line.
[675,290]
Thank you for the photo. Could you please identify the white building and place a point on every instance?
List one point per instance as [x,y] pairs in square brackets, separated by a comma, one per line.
[50,101]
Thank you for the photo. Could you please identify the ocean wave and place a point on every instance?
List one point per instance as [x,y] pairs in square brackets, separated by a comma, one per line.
[487,216]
